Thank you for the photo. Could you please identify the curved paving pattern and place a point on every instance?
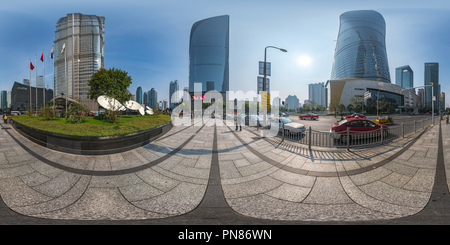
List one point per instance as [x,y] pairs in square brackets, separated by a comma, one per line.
[212,174]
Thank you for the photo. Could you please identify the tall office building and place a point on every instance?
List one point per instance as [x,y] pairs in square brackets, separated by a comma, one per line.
[360,48]
[404,77]
[292,103]
[3,99]
[173,94]
[208,55]
[79,53]
[431,76]
[139,98]
[153,98]
[318,93]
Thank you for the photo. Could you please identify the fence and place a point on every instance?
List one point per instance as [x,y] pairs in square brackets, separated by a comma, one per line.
[353,138]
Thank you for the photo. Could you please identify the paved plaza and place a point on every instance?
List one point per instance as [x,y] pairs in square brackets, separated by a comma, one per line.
[212,174]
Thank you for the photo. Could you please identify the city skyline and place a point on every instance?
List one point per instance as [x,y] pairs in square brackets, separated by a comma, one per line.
[152,42]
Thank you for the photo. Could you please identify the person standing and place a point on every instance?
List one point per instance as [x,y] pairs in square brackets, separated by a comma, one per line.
[446,118]
[5,119]
[239,122]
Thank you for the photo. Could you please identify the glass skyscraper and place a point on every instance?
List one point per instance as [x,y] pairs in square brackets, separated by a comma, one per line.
[79,52]
[404,77]
[208,55]
[360,49]
[431,76]
[173,94]
[139,98]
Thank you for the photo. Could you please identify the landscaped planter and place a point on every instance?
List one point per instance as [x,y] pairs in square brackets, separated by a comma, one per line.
[90,145]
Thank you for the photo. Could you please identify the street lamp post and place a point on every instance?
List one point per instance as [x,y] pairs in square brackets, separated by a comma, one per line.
[265,76]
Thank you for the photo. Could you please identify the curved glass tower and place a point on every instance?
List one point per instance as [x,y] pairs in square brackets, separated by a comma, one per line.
[208,54]
[361,48]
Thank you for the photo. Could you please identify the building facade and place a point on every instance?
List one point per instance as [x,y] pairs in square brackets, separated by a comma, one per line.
[208,55]
[373,96]
[431,76]
[173,94]
[21,95]
[317,92]
[360,48]
[292,103]
[139,97]
[153,98]
[4,99]
[79,53]
[404,77]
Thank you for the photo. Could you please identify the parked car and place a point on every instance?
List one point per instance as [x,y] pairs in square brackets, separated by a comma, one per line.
[252,120]
[355,115]
[309,116]
[289,125]
[386,119]
[360,127]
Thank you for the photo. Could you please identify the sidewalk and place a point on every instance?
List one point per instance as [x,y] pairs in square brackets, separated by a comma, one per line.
[166,181]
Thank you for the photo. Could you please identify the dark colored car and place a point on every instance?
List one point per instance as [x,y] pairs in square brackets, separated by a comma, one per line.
[360,127]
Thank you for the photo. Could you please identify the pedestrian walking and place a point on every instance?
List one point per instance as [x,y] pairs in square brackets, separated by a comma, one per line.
[446,118]
[5,119]
[239,122]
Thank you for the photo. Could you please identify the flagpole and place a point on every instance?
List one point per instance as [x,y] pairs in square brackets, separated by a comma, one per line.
[29,84]
[53,77]
[36,85]
[43,76]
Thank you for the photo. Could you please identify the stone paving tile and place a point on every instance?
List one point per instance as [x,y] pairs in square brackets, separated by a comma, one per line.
[260,177]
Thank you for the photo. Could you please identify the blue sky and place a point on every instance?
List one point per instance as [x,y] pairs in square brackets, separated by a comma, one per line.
[150,39]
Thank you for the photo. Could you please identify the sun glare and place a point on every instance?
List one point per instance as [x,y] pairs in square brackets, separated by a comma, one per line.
[304,60]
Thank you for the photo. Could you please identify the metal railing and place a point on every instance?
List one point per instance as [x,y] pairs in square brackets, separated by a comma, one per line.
[353,138]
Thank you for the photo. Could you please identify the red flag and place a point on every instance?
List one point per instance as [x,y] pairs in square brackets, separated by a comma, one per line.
[31,66]
[42,57]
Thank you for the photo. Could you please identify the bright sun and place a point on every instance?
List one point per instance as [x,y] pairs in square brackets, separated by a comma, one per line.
[304,60]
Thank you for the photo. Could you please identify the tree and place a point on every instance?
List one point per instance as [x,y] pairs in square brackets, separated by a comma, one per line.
[77,113]
[113,83]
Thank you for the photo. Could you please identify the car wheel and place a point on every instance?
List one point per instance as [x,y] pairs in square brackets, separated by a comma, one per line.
[344,138]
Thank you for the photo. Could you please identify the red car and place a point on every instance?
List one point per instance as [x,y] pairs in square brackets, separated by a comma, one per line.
[355,115]
[309,116]
[359,127]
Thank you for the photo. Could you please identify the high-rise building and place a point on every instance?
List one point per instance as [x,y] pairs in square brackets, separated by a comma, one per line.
[360,48]
[292,103]
[421,94]
[145,98]
[152,98]
[139,98]
[404,77]
[318,93]
[431,76]
[208,55]
[173,94]
[79,53]
[3,99]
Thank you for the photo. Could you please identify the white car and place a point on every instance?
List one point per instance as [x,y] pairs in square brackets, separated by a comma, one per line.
[289,125]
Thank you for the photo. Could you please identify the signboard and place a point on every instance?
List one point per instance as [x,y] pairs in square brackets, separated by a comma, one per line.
[265,100]
[261,68]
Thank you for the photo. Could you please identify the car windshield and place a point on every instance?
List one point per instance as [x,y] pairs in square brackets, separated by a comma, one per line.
[286,120]
[342,122]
